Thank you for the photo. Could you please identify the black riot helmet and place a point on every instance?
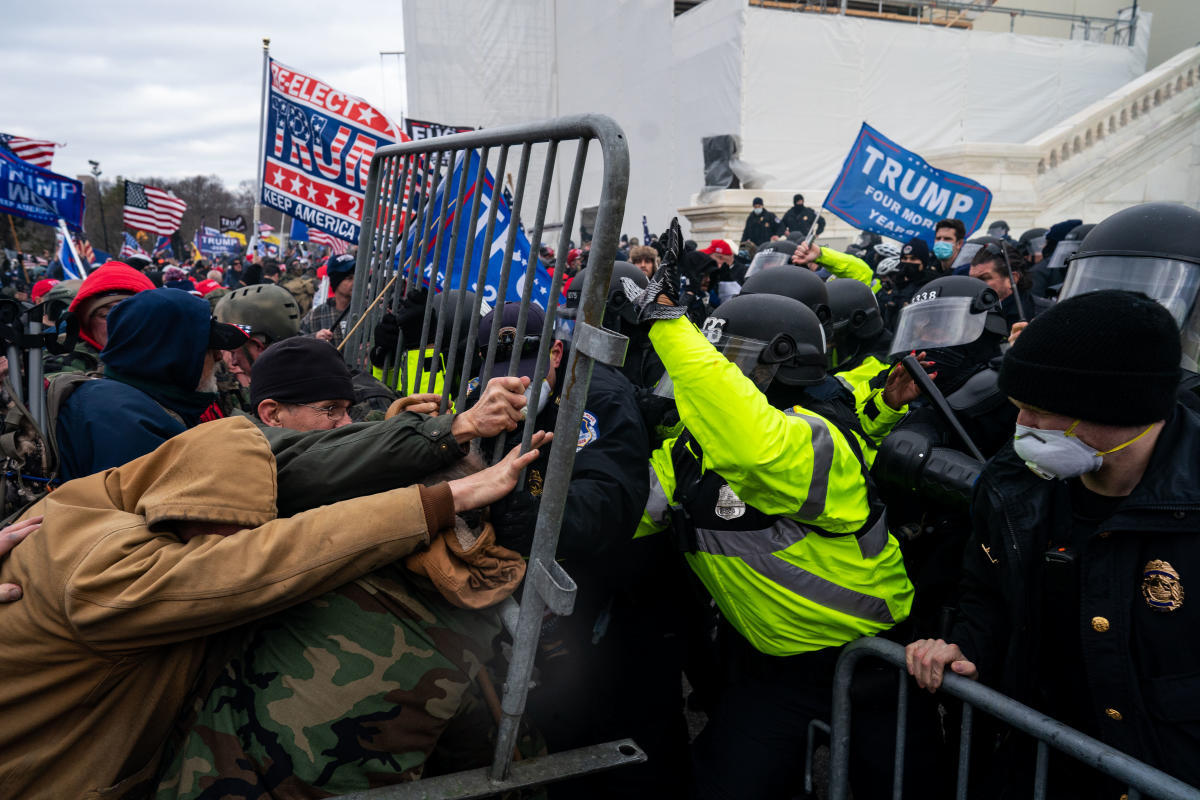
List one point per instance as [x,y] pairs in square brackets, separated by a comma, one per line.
[1031,244]
[445,306]
[619,313]
[798,283]
[770,255]
[1056,266]
[856,318]
[970,248]
[774,339]
[1152,248]
[956,320]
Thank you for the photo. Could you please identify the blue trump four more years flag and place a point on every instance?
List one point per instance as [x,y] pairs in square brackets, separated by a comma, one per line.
[888,190]
[457,228]
[38,194]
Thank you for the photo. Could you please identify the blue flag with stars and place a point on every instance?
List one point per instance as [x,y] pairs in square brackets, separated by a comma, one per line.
[458,221]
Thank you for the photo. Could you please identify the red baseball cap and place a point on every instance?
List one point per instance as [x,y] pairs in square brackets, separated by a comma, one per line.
[206,286]
[41,287]
[718,246]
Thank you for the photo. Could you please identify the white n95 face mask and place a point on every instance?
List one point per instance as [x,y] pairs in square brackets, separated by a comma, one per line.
[1058,455]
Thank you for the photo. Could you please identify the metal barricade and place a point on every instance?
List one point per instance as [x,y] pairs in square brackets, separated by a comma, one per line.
[1141,778]
[408,216]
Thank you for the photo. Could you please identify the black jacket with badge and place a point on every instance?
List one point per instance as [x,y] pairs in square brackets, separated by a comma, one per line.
[609,482]
[798,219]
[760,227]
[1138,625]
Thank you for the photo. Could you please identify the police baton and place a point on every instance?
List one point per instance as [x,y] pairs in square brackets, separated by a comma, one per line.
[930,390]
[1013,283]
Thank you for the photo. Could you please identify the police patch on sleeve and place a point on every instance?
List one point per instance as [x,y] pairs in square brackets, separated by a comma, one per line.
[588,432]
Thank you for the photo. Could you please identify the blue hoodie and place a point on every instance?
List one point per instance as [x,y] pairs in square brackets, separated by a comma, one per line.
[157,341]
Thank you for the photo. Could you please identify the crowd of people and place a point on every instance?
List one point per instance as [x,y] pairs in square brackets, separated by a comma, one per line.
[237,567]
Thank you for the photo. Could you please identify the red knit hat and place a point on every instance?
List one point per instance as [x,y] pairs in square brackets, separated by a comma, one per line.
[111,277]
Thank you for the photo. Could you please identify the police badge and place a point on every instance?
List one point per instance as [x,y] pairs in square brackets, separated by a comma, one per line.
[1161,587]
[729,505]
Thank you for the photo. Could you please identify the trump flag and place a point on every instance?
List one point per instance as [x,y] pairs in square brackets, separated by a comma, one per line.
[319,144]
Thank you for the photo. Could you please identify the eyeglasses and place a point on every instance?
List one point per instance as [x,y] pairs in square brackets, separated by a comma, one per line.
[334,411]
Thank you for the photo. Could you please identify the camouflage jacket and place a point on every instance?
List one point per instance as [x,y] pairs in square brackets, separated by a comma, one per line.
[343,693]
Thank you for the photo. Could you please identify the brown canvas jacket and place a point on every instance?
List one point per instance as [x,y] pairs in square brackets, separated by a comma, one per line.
[101,653]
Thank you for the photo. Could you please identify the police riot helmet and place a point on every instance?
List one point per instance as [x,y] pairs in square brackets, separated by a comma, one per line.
[774,339]
[1031,243]
[798,283]
[1063,251]
[1150,248]
[948,311]
[970,247]
[770,255]
[856,317]
[618,311]
[264,309]
[445,307]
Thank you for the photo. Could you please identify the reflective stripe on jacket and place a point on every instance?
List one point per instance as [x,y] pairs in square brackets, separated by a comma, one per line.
[820,570]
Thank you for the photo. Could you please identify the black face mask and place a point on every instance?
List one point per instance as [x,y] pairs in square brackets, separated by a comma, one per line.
[954,365]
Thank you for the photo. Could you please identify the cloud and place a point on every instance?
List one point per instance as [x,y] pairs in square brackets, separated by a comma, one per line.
[154,88]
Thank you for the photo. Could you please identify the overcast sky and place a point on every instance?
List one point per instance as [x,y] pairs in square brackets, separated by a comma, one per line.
[172,88]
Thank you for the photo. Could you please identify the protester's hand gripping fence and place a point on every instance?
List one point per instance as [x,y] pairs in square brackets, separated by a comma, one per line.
[408,213]
[1142,779]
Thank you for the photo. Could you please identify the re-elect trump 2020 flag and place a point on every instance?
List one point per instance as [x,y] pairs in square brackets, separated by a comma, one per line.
[458,220]
[39,194]
[888,190]
[319,145]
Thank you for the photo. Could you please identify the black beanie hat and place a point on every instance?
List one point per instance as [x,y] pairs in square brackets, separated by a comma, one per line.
[300,370]
[1110,357]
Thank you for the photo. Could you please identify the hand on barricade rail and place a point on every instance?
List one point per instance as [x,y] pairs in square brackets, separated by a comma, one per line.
[489,485]
[501,408]
[927,660]
[423,403]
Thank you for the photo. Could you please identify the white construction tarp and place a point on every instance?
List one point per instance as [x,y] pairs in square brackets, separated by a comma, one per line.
[793,86]
[811,80]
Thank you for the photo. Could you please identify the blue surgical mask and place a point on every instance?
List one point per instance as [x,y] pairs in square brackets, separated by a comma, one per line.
[942,250]
[758,209]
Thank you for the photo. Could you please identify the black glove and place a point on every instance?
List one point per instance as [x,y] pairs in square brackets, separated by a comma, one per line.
[386,339]
[665,282]
[411,315]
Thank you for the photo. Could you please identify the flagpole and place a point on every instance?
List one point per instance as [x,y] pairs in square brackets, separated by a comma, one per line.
[262,137]
[62,227]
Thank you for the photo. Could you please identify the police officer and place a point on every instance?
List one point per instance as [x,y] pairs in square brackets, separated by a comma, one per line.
[1149,248]
[1075,594]
[776,516]
[576,698]
[760,224]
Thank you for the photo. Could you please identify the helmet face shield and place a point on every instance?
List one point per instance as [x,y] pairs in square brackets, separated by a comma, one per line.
[1058,259]
[939,322]
[766,260]
[968,251]
[1172,283]
[752,356]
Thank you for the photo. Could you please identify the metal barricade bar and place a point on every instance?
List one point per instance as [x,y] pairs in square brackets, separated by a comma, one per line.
[409,212]
[1137,775]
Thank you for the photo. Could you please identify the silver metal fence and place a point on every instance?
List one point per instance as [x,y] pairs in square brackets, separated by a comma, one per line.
[409,213]
[1142,779]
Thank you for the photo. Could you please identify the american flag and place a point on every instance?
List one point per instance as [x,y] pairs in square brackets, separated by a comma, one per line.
[336,246]
[38,152]
[148,208]
[130,247]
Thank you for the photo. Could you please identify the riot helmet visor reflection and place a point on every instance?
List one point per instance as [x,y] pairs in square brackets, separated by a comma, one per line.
[938,322]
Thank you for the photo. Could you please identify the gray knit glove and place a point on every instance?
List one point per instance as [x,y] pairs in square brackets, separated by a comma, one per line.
[664,282]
